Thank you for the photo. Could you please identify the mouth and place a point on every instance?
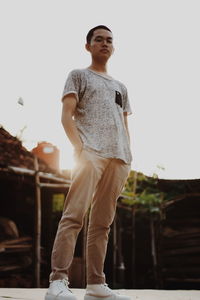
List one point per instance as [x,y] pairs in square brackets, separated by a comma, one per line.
[104,50]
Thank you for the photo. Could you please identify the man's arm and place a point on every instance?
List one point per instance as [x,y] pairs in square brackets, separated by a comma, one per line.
[126,124]
[68,110]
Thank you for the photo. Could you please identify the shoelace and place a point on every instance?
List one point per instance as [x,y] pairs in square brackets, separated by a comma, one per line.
[66,283]
[105,285]
[111,292]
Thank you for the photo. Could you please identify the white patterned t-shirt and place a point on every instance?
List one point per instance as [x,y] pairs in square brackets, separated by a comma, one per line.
[101,102]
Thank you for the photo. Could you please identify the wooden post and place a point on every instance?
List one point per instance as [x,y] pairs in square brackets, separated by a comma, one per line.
[133,233]
[153,251]
[114,226]
[85,228]
[37,237]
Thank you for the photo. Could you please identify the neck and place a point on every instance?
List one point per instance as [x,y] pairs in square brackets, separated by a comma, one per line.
[99,66]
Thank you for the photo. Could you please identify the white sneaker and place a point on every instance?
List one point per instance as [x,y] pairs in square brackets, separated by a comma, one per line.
[59,290]
[99,291]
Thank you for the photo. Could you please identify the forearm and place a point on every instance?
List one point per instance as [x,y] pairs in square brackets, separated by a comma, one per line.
[72,132]
[126,126]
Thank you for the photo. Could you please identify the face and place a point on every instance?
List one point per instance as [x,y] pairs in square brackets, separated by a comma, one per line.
[101,44]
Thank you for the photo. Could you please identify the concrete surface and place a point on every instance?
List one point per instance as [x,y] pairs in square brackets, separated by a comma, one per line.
[38,294]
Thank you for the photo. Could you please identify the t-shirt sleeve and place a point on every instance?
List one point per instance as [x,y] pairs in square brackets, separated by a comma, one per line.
[126,102]
[72,85]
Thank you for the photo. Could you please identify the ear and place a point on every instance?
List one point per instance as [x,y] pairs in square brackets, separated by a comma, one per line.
[87,47]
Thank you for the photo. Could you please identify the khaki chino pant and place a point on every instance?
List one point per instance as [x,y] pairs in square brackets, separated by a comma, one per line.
[98,182]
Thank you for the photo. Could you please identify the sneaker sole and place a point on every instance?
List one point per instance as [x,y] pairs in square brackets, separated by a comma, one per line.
[88,297]
[49,297]
[52,297]
[111,297]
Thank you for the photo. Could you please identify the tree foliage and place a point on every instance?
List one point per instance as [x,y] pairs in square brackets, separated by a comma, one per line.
[142,193]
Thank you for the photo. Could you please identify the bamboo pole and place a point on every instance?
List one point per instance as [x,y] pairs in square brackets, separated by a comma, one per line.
[54,185]
[42,175]
[37,254]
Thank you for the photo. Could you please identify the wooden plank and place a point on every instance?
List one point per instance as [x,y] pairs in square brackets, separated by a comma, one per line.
[175,279]
[182,271]
[15,241]
[177,234]
[181,251]
[182,260]
[167,245]
[15,246]
[10,268]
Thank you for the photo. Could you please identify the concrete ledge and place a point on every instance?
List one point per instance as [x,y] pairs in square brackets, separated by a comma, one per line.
[38,294]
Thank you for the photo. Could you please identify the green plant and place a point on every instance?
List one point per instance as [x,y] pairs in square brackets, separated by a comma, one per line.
[142,192]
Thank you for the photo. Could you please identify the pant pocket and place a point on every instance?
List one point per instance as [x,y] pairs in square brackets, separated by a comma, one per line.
[77,154]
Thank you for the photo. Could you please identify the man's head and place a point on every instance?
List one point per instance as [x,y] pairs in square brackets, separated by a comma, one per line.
[99,42]
[91,32]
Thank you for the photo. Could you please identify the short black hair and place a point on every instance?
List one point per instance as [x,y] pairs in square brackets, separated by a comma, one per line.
[90,33]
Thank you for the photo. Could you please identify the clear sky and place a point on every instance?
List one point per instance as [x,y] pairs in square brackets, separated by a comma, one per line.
[156,56]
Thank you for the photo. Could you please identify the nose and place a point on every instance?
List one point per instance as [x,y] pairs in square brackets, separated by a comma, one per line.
[105,43]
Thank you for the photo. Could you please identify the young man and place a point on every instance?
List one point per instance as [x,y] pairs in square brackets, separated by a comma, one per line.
[94,116]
